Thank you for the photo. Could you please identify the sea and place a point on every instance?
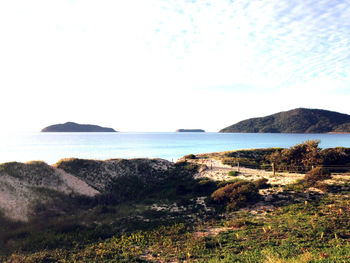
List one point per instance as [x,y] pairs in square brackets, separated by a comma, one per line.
[51,147]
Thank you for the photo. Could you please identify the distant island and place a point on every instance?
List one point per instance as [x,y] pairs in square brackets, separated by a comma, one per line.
[300,120]
[75,127]
[190,130]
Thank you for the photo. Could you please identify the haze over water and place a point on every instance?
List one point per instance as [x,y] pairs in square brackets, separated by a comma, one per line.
[51,147]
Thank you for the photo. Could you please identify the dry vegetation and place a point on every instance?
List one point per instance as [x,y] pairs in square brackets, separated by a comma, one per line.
[164,212]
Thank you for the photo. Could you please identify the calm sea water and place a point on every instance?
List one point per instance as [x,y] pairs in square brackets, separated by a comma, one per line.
[50,147]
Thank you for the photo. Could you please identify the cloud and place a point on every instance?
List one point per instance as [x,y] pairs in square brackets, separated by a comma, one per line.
[260,51]
[283,41]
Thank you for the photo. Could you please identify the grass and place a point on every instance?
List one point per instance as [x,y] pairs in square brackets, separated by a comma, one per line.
[301,228]
[313,232]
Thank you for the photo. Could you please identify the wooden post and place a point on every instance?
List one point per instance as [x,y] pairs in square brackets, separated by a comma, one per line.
[274,169]
[238,166]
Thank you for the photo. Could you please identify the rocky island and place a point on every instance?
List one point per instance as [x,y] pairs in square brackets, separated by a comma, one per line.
[190,130]
[300,120]
[75,127]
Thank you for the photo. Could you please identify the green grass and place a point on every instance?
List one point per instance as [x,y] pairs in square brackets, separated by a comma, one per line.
[302,228]
[314,232]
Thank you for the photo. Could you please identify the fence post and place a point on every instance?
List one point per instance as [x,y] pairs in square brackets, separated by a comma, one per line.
[238,166]
[273,169]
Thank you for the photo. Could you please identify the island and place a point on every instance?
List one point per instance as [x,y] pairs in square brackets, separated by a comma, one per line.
[190,130]
[300,120]
[75,127]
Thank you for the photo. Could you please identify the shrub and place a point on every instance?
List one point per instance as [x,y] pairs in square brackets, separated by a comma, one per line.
[317,174]
[189,167]
[322,186]
[261,183]
[224,183]
[233,173]
[205,186]
[236,195]
[190,156]
[315,177]
[297,158]
[182,190]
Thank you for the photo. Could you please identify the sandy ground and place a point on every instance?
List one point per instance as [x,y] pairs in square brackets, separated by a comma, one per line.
[215,170]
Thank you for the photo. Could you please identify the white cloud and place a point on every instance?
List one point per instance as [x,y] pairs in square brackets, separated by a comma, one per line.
[143,65]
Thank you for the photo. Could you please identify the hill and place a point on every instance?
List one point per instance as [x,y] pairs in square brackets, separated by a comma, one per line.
[75,127]
[299,120]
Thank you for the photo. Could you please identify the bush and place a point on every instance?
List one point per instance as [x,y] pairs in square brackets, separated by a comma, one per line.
[262,183]
[297,158]
[322,186]
[205,186]
[317,174]
[190,156]
[189,167]
[236,195]
[233,173]
[224,183]
[182,190]
[315,177]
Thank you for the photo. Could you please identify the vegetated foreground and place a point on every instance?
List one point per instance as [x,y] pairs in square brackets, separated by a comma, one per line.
[204,208]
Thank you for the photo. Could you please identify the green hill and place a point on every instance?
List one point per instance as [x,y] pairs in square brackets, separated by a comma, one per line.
[299,120]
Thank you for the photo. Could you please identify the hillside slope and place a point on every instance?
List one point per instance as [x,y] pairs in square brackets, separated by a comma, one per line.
[299,120]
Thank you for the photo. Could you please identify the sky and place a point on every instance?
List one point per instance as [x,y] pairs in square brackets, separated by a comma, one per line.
[161,65]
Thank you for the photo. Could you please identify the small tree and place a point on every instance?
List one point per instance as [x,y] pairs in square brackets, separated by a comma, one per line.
[276,161]
[299,157]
